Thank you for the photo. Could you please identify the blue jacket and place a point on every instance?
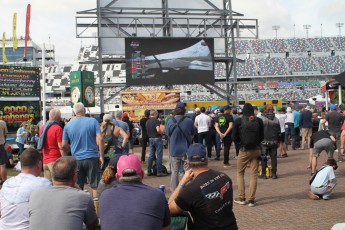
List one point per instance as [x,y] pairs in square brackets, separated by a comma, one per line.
[306,119]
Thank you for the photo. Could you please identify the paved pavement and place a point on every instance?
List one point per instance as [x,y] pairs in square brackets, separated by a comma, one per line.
[281,203]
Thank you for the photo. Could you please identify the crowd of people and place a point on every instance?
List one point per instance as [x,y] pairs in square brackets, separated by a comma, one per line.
[100,154]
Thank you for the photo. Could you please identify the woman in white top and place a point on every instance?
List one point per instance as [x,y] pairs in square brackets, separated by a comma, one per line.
[290,128]
[22,135]
[281,117]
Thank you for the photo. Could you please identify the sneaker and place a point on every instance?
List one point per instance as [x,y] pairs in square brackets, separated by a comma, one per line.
[149,174]
[235,157]
[313,196]
[274,176]
[227,165]
[251,203]
[217,159]
[161,174]
[240,201]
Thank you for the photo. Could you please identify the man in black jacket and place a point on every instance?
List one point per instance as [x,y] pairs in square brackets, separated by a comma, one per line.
[249,131]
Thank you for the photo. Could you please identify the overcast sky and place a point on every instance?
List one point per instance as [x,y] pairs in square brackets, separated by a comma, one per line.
[56,19]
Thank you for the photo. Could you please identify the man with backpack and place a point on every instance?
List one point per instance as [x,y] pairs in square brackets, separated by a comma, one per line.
[180,130]
[249,131]
[272,132]
[52,142]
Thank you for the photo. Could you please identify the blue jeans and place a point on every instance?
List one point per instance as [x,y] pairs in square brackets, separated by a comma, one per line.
[156,148]
[176,164]
[20,147]
[290,131]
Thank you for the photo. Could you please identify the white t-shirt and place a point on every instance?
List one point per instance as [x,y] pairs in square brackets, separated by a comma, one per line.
[322,178]
[290,118]
[281,118]
[14,200]
[203,121]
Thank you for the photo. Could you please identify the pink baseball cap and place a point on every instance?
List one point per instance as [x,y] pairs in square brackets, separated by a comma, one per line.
[129,162]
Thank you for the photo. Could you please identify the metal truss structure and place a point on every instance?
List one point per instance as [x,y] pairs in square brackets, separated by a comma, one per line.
[111,21]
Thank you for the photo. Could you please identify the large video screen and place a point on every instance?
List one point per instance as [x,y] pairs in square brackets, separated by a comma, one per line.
[161,61]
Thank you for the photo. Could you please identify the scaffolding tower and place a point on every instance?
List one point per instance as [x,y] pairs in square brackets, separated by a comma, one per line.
[114,20]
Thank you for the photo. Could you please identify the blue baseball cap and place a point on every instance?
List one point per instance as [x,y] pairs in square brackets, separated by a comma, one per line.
[180,105]
[333,106]
[196,153]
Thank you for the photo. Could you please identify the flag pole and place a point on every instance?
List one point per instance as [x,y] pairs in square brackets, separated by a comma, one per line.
[44,83]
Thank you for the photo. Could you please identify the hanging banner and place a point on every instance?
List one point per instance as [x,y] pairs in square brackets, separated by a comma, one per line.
[15,112]
[4,58]
[76,87]
[160,99]
[27,30]
[19,81]
[14,35]
[88,88]
[82,85]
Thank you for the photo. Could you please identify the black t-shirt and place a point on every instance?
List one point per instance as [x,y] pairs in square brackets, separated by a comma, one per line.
[223,121]
[151,125]
[143,126]
[318,136]
[209,199]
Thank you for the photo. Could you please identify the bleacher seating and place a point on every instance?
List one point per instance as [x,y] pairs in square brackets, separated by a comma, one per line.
[301,64]
[271,66]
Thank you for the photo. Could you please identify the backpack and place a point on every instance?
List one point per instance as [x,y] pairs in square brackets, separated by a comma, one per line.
[250,132]
[271,132]
[154,169]
[109,139]
[42,137]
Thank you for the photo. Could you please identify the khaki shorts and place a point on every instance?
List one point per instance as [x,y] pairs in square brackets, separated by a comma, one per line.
[48,170]
[306,132]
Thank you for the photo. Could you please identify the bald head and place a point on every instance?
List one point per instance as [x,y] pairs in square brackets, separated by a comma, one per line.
[79,109]
[54,115]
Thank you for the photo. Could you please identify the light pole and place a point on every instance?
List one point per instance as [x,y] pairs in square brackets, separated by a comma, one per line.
[307,27]
[294,30]
[276,28]
[339,25]
[321,30]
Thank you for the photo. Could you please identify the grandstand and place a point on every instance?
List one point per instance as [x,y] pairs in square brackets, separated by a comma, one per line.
[287,69]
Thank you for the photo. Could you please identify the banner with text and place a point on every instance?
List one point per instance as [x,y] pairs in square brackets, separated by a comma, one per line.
[15,112]
[18,81]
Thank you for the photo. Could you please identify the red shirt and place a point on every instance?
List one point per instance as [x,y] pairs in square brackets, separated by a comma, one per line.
[343,126]
[50,150]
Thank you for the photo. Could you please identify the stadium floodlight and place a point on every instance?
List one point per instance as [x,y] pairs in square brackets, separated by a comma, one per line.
[276,28]
[307,28]
[339,25]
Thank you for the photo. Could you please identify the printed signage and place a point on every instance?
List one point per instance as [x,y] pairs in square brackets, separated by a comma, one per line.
[18,81]
[16,112]
[82,88]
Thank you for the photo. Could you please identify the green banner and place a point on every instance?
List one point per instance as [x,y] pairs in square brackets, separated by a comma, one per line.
[88,82]
[82,85]
[16,112]
[19,81]
[76,87]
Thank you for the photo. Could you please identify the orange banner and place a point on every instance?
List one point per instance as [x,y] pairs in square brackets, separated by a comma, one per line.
[162,99]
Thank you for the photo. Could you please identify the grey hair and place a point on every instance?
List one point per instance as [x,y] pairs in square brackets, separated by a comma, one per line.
[54,114]
[153,112]
[118,114]
[79,108]
[64,168]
